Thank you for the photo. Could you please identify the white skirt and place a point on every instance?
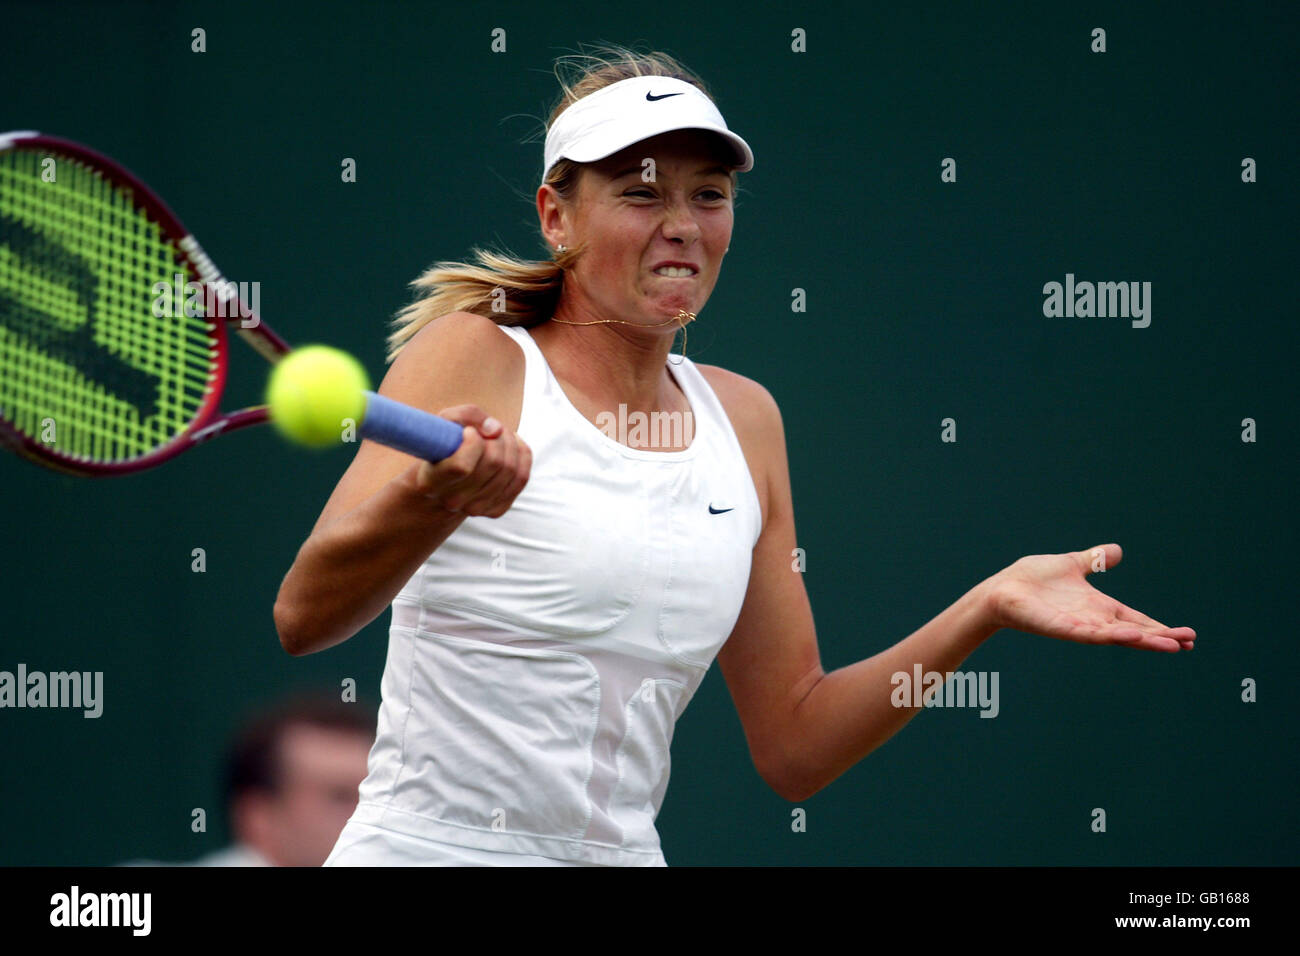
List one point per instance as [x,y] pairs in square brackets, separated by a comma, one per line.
[363,844]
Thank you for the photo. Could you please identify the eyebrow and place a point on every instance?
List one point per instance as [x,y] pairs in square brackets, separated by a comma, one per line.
[707,170]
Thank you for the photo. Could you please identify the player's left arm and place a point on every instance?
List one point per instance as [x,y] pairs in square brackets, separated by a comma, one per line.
[805,727]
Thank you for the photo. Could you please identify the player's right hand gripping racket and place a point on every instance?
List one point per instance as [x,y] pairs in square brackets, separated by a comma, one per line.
[93,380]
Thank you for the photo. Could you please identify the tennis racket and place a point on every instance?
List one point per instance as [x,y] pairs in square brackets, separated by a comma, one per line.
[99,374]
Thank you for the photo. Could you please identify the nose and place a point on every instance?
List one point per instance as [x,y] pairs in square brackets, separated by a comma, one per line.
[680,224]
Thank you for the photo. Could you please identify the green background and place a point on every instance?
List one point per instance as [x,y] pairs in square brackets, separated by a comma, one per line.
[924,302]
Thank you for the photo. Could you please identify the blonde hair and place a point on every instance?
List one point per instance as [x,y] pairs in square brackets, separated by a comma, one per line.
[530,288]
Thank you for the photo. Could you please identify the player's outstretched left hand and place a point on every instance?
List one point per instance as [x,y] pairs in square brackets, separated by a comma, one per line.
[1049,594]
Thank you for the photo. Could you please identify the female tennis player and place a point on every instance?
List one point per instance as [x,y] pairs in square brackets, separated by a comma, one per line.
[561,584]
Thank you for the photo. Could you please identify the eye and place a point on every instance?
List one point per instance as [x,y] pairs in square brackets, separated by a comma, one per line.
[713,193]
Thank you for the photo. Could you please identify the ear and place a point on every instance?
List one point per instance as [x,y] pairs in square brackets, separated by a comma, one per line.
[550,215]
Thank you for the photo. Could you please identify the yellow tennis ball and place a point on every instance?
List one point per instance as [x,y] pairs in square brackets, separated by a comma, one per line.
[313,394]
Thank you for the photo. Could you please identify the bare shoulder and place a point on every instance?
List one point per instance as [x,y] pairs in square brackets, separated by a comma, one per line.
[461,358]
[460,333]
[749,405]
[756,419]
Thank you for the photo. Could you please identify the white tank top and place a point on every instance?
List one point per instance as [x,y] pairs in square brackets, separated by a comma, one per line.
[538,662]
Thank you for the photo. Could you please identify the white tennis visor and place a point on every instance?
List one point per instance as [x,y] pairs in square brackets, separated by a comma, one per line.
[602,123]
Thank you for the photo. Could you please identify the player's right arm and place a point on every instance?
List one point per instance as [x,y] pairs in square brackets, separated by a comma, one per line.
[389,511]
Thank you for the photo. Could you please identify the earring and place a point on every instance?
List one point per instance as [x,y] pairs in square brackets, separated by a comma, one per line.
[560,247]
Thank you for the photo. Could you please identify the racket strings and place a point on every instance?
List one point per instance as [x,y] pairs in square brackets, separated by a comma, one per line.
[80,343]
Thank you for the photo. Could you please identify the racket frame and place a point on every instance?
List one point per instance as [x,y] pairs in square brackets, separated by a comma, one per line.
[209,420]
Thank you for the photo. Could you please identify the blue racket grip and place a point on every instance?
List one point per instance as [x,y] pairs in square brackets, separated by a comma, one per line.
[410,430]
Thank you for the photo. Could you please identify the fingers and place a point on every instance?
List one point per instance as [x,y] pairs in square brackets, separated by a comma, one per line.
[1151,634]
[502,464]
[1099,558]
[1149,642]
[487,471]
[1124,632]
[474,416]
[1144,638]
[1185,636]
[1128,635]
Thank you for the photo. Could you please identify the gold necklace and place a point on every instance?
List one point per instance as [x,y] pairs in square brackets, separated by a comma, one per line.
[681,314]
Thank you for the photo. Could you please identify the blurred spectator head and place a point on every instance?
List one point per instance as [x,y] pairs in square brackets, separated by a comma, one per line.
[292,774]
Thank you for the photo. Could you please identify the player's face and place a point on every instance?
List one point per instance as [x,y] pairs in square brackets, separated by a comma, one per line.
[684,213]
[322,769]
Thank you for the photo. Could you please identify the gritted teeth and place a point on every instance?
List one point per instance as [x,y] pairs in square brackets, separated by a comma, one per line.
[674,272]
